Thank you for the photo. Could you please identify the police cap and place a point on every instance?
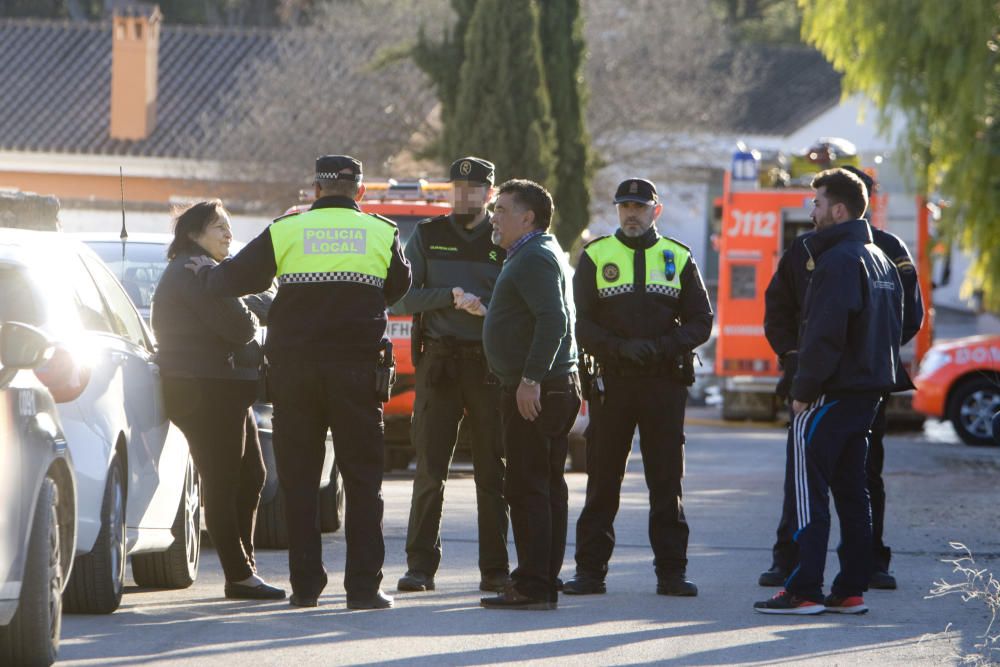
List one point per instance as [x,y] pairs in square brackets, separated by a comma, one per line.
[472,169]
[638,190]
[338,168]
[865,178]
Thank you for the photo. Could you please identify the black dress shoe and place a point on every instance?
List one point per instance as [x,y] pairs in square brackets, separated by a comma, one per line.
[773,577]
[297,600]
[676,584]
[581,584]
[510,598]
[882,580]
[259,592]
[415,582]
[378,601]
[494,582]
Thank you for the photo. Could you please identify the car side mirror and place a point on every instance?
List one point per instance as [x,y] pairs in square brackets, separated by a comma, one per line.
[22,346]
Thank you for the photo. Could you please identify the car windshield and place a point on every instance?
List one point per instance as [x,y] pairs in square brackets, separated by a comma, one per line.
[140,270]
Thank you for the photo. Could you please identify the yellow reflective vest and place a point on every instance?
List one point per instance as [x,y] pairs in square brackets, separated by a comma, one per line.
[665,260]
[332,245]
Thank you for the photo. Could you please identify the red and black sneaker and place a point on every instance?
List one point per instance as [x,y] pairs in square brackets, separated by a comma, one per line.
[852,604]
[787,603]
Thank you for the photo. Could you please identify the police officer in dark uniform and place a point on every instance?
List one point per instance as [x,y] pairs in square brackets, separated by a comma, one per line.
[455,266]
[337,269]
[783,313]
[641,309]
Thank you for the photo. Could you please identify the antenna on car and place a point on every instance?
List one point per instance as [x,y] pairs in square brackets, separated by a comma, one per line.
[124,234]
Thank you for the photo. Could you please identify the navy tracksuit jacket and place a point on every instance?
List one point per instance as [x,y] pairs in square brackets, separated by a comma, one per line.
[849,342]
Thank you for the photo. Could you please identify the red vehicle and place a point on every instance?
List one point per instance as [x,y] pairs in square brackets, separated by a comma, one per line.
[406,204]
[759,222]
[959,381]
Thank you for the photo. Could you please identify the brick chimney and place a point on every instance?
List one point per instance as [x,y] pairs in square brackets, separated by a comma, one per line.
[135,36]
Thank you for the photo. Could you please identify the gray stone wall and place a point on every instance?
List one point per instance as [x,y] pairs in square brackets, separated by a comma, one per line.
[27,210]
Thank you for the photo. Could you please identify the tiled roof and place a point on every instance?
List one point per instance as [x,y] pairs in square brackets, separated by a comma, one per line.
[55,86]
[790,86]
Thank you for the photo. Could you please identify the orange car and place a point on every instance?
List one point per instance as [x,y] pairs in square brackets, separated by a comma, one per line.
[959,380]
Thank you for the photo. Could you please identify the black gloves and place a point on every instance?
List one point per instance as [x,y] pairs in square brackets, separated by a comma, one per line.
[637,350]
[789,366]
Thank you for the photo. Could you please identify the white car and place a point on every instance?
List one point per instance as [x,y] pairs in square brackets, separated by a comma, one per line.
[138,493]
[139,262]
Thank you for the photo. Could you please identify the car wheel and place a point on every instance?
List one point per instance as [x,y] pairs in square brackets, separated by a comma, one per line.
[272,531]
[971,408]
[98,578]
[32,637]
[177,567]
[331,503]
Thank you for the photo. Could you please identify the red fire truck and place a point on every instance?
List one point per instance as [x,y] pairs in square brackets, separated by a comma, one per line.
[758,224]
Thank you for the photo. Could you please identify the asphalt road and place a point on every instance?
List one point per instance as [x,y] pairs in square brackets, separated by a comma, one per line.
[939,491]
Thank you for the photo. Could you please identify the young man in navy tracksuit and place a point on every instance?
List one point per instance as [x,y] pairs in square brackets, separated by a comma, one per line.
[783,311]
[848,358]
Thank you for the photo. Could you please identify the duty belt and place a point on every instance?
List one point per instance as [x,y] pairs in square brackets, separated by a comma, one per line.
[460,349]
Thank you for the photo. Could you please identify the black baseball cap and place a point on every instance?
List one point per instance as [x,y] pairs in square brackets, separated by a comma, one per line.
[638,190]
[473,170]
[338,168]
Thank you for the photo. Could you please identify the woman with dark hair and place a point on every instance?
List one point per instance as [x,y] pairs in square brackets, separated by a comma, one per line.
[209,362]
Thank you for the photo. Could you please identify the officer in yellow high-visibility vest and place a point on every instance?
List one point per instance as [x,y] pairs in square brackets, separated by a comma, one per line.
[337,270]
[641,308]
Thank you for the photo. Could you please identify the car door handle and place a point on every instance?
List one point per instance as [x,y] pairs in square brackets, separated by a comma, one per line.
[119,357]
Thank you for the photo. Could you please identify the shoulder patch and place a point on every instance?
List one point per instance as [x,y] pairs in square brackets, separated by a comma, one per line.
[593,241]
[383,219]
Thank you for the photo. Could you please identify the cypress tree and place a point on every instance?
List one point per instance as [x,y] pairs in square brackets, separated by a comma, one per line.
[563,52]
[441,61]
[502,109]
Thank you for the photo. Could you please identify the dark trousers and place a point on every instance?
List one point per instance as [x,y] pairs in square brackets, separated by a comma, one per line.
[448,386]
[656,406]
[221,431]
[535,483]
[786,552]
[310,397]
[829,448]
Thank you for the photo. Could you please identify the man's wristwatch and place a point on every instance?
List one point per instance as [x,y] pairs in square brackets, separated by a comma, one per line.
[529,382]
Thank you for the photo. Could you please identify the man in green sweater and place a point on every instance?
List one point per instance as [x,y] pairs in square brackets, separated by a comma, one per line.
[529,344]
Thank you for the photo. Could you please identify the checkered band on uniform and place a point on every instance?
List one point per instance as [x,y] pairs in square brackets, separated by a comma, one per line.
[605,292]
[664,289]
[334,277]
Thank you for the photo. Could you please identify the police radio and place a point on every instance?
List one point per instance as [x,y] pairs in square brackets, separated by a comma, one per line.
[385,373]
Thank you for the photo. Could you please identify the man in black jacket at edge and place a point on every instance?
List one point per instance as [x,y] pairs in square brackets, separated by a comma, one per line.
[783,299]
[337,269]
[848,359]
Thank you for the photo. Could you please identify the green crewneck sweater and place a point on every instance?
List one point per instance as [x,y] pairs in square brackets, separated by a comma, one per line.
[529,326]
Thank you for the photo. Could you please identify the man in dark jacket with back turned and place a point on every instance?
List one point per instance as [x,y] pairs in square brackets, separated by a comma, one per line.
[337,269]
[784,299]
[848,358]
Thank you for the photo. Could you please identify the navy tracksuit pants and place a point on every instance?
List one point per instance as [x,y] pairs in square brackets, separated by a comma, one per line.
[829,445]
